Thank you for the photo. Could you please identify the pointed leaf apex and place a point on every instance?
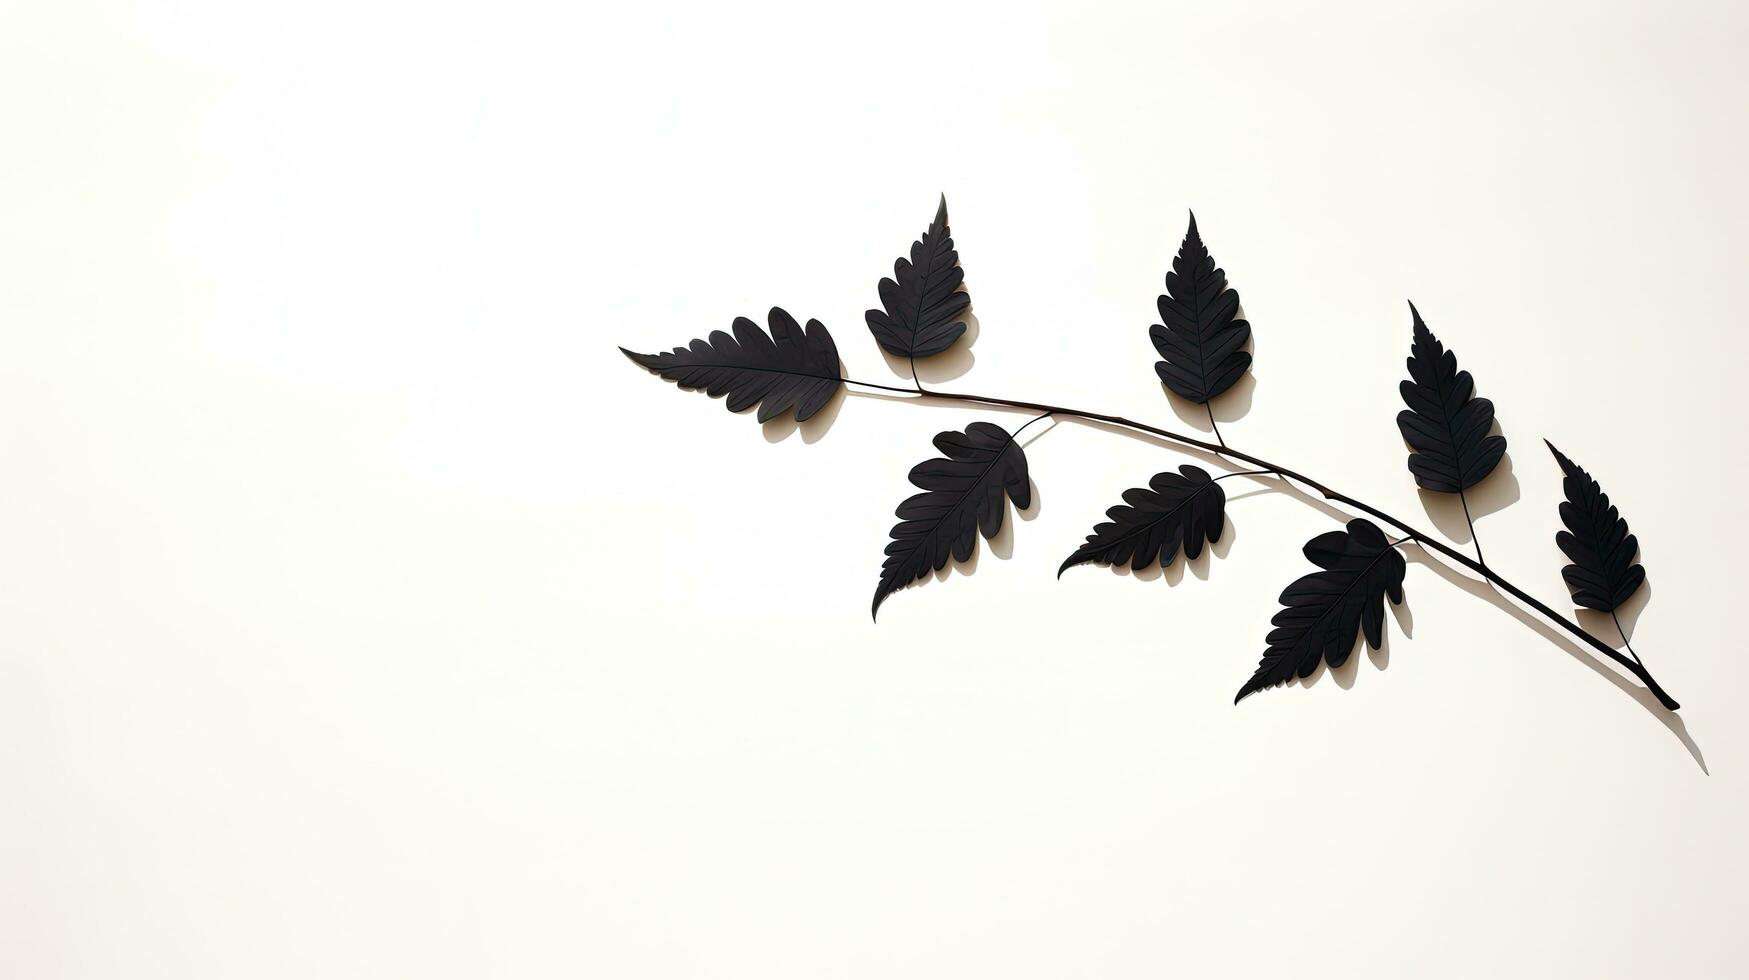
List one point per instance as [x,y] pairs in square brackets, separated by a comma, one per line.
[1446,425]
[1200,337]
[1567,465]
[1420,329]
[1605,571]
[923,305]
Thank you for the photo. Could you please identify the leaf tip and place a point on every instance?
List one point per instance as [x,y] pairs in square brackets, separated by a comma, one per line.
[883,591]
[1567,465]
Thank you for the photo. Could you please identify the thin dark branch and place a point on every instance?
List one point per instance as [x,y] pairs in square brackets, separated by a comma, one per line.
[1632,665]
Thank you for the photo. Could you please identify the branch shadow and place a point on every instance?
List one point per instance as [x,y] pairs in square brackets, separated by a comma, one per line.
[1477,587]
[1481,589]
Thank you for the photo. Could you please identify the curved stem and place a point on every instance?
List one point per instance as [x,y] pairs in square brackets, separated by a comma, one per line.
[1213,424]
[1624,638]
[1422,538]
[1473,539]
[1017,432]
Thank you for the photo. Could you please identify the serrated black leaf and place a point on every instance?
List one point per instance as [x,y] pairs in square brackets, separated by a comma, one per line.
[1604,573]
[1198,335]
[1182,509]
[1445,425]
[923,300]
[790,369]
[1323,611]
[962,495]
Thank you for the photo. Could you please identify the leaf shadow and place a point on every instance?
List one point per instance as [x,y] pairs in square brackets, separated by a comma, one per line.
[1001,546]
[946,366]
[1173,573]
[813,430]
[1345,675]
[1477,587]
[1497,491]
[1601,623]
[1228,406]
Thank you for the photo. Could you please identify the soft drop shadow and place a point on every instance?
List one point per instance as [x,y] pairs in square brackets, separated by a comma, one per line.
[1601,624]
[1349,672]
[1481,589]
[1405,618]
[1497,491]
[1173,573]
[1001,546]
[813,430]
[1228,406]
[1477,587]
[1050,423]
[946,366]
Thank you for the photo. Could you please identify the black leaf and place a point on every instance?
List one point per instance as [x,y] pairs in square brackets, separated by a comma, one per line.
[1446,426]
[962,496]
[923,300]
[1324,610]
[1199,338]
[790,369]
[1176,509]
[1603,574]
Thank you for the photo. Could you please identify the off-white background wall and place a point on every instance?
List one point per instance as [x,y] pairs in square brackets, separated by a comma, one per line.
[366,614]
